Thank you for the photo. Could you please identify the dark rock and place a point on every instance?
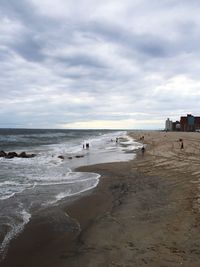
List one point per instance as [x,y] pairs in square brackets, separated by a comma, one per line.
[24,155]
[69,157]
[60,157]
[11,155]
[79,156]
[3,154]
[32,155]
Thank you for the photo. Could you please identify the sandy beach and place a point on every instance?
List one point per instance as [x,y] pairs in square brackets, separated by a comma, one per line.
[144,212]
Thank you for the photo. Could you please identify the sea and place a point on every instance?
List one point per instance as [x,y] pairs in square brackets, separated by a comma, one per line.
[31,184]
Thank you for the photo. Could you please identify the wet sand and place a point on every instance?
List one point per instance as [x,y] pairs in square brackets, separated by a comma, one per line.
[143,213]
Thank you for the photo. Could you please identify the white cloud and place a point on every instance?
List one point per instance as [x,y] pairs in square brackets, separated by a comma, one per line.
[10,30]
[180,85]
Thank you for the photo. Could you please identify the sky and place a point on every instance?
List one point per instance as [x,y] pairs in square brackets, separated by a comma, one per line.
[78,64]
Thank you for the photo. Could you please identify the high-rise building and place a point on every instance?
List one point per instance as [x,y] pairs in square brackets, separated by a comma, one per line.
[168,125]
[190,123]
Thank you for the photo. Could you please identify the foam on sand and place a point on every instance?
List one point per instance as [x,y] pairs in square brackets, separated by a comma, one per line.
[15,230]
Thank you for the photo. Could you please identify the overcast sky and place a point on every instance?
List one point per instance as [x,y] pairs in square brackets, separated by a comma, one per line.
[98,64]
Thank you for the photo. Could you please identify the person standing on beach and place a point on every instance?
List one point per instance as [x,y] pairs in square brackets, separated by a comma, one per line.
[182,145]
[87,145]
[143,149]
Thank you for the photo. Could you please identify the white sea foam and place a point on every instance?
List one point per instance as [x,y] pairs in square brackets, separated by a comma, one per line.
[40,159]
[129,143]
[69,178]
[9,188]
[5,183]
[8,195]
[92,184]
[15,230]
[77,187]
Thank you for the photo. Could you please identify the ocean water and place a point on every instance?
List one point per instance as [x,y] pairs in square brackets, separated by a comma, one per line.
[28,185]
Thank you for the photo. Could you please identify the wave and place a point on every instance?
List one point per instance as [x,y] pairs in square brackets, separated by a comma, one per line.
[15,230]
[76,188]
[9,189]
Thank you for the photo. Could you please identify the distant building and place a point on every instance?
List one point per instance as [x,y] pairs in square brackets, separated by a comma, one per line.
[197,123]
[187,123]
[183,122]
[168,125]
[190,123]
[176,126]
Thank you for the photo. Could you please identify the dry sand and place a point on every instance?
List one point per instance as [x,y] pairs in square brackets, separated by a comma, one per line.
[143,213]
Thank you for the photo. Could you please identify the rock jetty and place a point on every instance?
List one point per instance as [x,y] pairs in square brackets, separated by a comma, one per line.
[11,155]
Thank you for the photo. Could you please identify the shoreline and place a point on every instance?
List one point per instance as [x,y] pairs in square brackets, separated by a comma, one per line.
[142,213]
